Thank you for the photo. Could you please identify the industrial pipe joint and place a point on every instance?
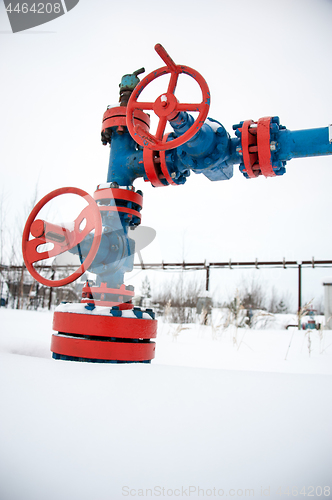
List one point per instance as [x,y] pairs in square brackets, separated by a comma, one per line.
[105,326]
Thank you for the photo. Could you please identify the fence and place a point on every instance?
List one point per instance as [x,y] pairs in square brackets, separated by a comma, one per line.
[19,290]
[207,266]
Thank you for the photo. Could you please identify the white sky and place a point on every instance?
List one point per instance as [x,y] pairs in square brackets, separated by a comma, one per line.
[259,58]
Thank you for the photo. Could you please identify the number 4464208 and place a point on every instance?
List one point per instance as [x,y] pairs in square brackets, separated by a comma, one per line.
[35,8]
[309,491]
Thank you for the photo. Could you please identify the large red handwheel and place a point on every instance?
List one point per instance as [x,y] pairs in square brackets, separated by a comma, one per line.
[166,106]
[63,239]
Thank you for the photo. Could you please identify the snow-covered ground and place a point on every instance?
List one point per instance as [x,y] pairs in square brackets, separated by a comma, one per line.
[208,418]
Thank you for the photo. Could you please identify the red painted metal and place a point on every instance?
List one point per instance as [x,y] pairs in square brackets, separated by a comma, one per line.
[165,57]
[126,210]
[255,141]
[163,165]
[166,106]
[61,238]
[37,228]
[110,351]
[109,327]
[155,167]
[118,194]
[104,326]
[123,306]
[263,143]
[97,295]
[116,117]
[152,168]
[249,140]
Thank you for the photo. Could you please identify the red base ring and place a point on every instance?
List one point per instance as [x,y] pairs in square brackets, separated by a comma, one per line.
[109,327]
[101,350]
[104,326]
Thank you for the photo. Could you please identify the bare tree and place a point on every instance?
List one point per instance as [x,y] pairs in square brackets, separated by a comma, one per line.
[279,302]
[253,295]
[146,288]
[274,300]
[179,297]
[235,315]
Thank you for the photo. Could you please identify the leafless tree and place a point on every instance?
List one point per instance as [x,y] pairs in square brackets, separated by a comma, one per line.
[253,294]
[179,297]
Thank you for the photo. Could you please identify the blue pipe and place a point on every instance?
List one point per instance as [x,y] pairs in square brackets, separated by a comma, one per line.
[210,151]
[303,143]
[126,161]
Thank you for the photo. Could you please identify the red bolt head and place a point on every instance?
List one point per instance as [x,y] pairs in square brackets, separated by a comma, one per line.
[37,228]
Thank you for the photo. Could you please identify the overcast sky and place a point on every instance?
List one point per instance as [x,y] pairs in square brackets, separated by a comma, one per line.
[259,58]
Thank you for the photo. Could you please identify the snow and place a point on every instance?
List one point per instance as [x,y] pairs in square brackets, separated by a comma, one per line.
[97,311]
[206,418]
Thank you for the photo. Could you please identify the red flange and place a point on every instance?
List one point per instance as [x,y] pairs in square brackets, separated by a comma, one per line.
[256,151]
[163,166]
[156,168]
[124,195]
[126,210]
[116,117]
[118,194]
[152,167]
[263,143]
[249,148]
[100,296]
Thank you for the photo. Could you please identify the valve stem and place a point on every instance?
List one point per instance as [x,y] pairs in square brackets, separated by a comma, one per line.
[127,85]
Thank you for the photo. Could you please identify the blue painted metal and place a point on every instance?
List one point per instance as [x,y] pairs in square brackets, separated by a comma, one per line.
[211,152]
[115,255]
[129,82]
[64,357]
[126,161]
[208,151]
[90,306]
[277,164]
[286,145]
[303,143]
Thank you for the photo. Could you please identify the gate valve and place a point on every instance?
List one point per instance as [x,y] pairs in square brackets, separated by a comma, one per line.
[166,106]
[63,239]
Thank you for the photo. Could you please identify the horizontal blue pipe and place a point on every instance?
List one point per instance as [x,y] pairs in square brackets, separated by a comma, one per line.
[303,143]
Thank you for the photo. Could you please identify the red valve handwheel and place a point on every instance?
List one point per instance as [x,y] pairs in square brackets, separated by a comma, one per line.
[166,106]
[62,238]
